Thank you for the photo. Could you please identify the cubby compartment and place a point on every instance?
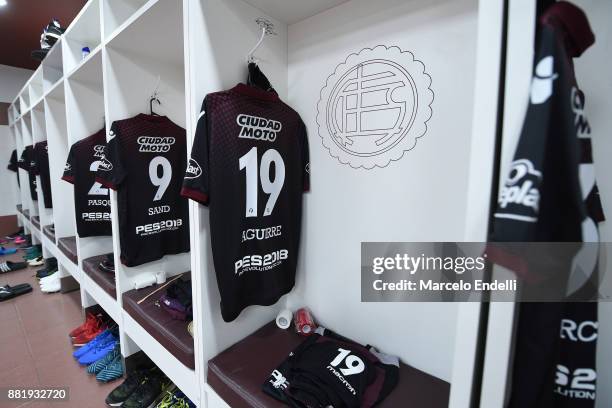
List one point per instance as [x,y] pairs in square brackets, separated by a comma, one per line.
[28,142]
[35,86]
[102,277]
[348,69]
[68,246]
[143,305]
[53,67]
[57,137]
[83,32]
[24,190]
[85,117]
[141,61]
[117,13]
[85,100]
[24,100]
[11,115]
[49,231]
[138,338]
[39,134]
[138,63]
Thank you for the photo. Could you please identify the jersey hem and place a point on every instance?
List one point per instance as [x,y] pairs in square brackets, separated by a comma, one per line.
[106,183]
[69,179]
[195,195]
[230,317]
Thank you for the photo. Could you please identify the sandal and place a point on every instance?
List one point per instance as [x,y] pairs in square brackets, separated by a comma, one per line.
[9,266]
[9,292]
[7,251]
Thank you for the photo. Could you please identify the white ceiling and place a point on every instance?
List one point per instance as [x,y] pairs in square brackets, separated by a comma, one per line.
[292,11]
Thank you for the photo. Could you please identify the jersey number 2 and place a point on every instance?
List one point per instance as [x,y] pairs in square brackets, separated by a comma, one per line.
[271,187]
[96,188]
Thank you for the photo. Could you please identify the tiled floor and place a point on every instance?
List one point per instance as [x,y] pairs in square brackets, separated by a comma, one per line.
[34,346]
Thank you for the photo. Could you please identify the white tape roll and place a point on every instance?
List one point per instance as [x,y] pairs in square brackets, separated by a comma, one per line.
[143,281]
[160,277]
[283,320]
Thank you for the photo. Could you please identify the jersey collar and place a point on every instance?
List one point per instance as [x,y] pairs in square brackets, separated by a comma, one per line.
[255,92]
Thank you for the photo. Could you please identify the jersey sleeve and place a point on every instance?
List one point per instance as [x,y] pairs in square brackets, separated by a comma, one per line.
[70,166]
[12,166]
[305,158]
[195,183]
[34,167]
[23,161]
[112,171]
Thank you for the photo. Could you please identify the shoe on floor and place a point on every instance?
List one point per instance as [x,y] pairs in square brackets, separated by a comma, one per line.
[32,256]
[15,234]
[169,398]
[52,286]
[103,336]
[9,266]
[51,263]
[177,400]
[148,391]
[43,273]
[7,251]
[112,371]
[20,240]
[91,321]
[9,292]
[87,336]
[99,365]
[37,261]
[97,352]
[49,278]
[121,393]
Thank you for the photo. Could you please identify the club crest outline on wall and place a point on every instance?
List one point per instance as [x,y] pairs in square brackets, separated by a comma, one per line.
[374,107]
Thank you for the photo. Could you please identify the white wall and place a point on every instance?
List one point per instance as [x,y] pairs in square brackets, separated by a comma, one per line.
[420,197]
[12,80]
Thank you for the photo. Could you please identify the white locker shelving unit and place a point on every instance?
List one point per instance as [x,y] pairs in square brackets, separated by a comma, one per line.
[185,49]
[71,97]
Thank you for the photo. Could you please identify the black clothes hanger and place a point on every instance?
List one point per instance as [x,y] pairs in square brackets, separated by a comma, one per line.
[258,79]
[153,99]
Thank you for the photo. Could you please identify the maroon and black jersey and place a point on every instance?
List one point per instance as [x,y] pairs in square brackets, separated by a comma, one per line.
[91,199]
[145,162]
[330,370]
[26,163]
[41,168]
[250,165]
[13,164]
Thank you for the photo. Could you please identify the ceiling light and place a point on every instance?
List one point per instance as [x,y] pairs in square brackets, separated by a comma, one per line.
[2,3]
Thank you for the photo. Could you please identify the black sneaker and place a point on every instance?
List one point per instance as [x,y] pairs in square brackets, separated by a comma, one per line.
[43,273]
[121,393]
[51,263]
[147,394]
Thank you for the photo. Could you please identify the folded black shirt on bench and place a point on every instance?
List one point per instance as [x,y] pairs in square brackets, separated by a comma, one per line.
[330,370]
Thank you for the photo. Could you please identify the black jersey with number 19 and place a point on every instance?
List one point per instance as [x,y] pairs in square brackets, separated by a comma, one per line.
[145,162]
[250,165]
